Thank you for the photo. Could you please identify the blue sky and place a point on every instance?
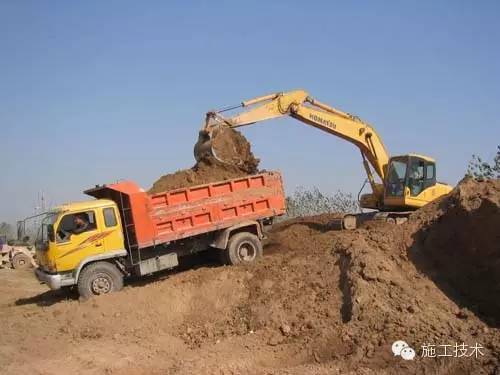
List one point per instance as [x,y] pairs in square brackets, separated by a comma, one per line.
[92,91]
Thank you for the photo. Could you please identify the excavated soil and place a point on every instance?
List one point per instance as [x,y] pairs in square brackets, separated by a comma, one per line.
[231,147]
[460,236]
[319,302]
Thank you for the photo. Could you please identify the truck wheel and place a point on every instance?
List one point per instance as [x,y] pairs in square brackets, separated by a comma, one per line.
[99,278]
[243,248]
[21,261]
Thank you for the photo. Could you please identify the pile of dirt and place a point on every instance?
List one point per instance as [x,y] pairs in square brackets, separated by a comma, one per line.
[319,302]
[459,236]
[231,147]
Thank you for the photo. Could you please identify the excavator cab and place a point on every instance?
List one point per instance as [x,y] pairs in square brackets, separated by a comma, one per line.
[410,181]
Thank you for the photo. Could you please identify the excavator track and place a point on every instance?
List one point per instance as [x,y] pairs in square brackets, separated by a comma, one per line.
[353,221]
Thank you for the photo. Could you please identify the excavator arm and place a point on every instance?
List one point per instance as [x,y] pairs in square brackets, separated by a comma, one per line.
[299,105]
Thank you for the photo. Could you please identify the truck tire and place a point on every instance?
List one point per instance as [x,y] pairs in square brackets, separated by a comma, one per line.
[243,248]
[99,278]
[21,261]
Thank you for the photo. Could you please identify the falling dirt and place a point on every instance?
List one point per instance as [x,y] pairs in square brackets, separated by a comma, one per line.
[319,302]
[231,147]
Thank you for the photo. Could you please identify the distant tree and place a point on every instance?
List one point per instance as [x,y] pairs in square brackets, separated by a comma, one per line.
[307,202]
[480,169]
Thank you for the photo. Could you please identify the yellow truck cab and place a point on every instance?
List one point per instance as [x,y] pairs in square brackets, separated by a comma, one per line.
[62,253]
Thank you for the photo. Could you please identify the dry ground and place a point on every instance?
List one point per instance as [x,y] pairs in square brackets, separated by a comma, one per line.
[319,302]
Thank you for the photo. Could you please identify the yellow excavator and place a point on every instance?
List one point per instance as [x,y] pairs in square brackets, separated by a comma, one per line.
[405,182]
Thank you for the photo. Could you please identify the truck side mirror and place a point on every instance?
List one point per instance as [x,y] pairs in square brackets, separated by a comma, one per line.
[50,232]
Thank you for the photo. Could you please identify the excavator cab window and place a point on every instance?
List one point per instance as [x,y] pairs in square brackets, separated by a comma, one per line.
[416,176]
[421,175]
[396,178]
[413,172]
[430,175]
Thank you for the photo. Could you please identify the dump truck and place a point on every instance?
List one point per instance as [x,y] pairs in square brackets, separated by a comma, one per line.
[93,245]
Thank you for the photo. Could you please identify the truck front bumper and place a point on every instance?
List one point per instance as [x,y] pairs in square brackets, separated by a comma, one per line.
[54,281]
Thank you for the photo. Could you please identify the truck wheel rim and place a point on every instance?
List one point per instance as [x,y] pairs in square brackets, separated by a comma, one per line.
[21,262]
[101,285]
[246,251]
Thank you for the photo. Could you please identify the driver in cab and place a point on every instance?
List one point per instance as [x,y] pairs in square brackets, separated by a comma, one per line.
[80,224]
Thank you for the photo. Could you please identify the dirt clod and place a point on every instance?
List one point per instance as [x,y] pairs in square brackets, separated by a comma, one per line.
[285,329]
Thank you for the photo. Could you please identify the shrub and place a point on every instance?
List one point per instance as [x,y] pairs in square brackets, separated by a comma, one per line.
[480,169]
[307,202]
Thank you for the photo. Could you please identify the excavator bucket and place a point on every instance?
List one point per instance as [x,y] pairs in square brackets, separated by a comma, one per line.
[219,141]
[226,146]
[204,146]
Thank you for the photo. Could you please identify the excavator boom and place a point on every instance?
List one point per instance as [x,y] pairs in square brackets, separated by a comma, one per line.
[301,106]
[410,179]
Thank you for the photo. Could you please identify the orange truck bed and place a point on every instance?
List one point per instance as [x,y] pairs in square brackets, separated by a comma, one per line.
[160,218]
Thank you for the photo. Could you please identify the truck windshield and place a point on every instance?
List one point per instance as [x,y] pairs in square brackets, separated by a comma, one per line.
[44,231]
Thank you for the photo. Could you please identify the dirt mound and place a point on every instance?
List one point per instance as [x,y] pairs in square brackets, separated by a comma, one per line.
[334,297]
[205,171]
[460,239]
[231,146]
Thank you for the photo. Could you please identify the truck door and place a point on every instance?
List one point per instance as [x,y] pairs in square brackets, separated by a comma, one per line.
[113,239]
[78,236]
